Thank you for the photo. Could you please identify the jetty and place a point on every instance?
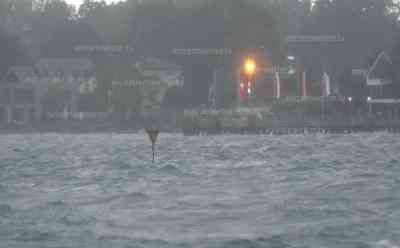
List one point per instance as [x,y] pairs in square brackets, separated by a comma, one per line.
[329,117]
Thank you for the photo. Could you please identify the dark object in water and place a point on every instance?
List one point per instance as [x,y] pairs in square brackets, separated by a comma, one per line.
[153,135]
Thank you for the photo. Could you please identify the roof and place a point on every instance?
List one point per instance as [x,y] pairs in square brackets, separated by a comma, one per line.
[20,73]
[155,64]
[65,66]
[359,72]
[381,68]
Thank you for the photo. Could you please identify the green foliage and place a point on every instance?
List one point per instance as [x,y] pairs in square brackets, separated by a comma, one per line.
[126,99]
[56,98]
[88,102]
[174,98]
[304,107]
[109,22]
[90,7]
[121,96]
[57,10]
[11,52]
[284,107]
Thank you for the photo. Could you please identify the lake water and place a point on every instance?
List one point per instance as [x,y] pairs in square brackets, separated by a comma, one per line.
[101,190]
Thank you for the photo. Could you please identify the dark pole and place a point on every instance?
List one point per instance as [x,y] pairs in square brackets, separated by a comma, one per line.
[153,149]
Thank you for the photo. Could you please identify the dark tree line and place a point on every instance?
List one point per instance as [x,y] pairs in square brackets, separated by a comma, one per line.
[56,29]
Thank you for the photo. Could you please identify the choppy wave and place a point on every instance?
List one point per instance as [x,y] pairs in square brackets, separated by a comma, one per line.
[170,169]
[209,192]
[385,244]
[35,236]
[5,210]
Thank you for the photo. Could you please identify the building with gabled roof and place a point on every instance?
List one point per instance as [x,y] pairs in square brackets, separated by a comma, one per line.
[381,71]
[382,92]
[20,74]
[23,88]
[380,78]
[165,71]
[64,67]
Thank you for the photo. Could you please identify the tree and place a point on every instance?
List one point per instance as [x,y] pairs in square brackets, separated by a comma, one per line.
[174,98]
[56,98]
[11,52]
[395,56]
[110,22]
[126,97]
[65,40]
[57,10]
[89,7]
[4,9]
[367,27]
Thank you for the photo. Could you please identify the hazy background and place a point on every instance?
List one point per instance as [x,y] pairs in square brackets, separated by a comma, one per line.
[77,3]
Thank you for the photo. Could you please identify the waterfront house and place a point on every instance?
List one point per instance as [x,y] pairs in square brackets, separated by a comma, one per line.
[168,73]
[381,89]
[143,86]
[17,95]
[158,76]
[74,75]
[25,89]
[380,78]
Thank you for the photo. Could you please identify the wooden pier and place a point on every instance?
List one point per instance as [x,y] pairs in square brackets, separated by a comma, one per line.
[285,126]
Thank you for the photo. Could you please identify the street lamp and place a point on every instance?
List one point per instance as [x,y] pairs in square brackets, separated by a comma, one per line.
[249,71]
[369,99]
[250,67]
[350,107]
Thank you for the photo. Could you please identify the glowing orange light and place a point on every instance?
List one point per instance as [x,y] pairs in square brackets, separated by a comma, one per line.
[250,67]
